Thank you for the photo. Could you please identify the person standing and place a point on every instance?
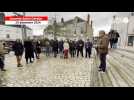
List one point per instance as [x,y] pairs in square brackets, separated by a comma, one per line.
[115,41]
[61,47]
[66,49]
[75,46]
[38,49]
[18,49]
[72,48]
[88,48]
[2,56]
[111,38]
[55,47]
[29,50]
[34,48]
[47,48]
[80,47]
[103,50]
[51,46]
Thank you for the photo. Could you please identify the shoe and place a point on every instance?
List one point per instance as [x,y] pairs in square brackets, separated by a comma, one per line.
[104,70]
[31,61]
[19,65]
[100,70]
[3,69]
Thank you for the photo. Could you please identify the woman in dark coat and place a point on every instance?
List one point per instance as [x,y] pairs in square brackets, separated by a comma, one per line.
[60,45]
[18,50]
[29,51]
[38,49]
[55,47]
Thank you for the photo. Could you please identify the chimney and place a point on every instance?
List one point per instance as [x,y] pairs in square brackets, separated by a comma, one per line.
[88,18]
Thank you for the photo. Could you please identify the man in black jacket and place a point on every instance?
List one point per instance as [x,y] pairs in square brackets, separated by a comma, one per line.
[60,45]
[80,45]
[18,49]
[29,50]
[55,47]
[88,48]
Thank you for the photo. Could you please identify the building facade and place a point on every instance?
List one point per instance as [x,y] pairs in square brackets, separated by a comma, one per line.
[131,30]
[11,33]
[121,26]
[72,29]
[125,27]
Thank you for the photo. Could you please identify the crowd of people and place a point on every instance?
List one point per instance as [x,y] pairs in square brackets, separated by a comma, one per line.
[53,47]
[64,48]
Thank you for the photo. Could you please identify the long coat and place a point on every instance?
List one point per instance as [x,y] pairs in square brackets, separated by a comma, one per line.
[29,49]
[55,45]
[60,45]
[103,45]
[18,49]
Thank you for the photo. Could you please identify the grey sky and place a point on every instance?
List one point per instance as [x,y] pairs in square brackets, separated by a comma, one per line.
[101,20]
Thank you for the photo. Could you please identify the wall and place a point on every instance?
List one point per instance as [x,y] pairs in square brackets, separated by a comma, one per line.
[13,32]
[131,26]
[121,28]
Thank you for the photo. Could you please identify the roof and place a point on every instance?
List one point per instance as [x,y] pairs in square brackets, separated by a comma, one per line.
[72,20]
[60,25]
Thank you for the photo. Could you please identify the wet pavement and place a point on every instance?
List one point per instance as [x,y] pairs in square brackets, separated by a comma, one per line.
[47,72]
[72,72]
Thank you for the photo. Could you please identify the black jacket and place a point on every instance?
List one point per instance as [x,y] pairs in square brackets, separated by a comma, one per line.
[80,44]
[60,45]
[55,45]
[18,48]
[29,49]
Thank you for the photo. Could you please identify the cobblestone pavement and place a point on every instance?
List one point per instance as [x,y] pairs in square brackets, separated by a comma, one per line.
[72,72]
[47,72]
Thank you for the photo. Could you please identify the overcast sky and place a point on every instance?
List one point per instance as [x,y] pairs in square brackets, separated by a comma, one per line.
[101,20]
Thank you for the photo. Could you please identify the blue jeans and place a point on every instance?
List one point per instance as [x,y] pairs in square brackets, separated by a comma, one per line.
[115,45]
[47,51]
